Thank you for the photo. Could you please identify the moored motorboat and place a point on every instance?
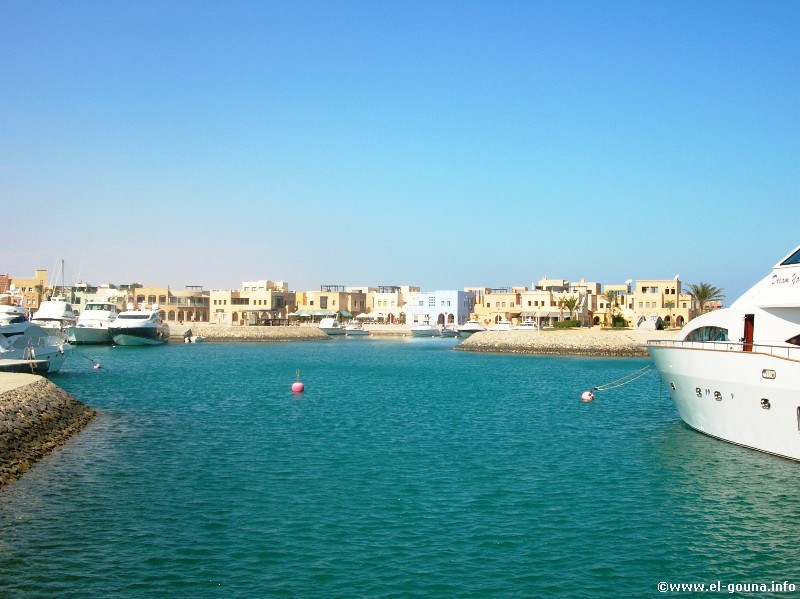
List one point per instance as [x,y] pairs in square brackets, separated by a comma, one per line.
[448,332]
[528,325]
[331,326]
[470,327]
[140,327]
[93,324]
[355,329]
[425,330]
[501,325]
[55,313]
[734,373]
[28,347]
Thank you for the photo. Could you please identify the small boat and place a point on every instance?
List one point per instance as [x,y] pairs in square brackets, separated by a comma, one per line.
[356,329]
[27,347]
[331,326]
[55,313]
[140,327]
[93,324]
[528,325]
[734,373]
[448,332]
[470,327]
[425,330]
[189,337]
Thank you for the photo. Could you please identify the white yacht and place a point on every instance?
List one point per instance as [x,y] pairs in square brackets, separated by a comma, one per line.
[470,327]
[734,373]
[92,327]
[331,326]
[140,327]
[55,313]
[28,347]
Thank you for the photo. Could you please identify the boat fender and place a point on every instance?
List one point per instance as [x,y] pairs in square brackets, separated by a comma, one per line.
[587,396]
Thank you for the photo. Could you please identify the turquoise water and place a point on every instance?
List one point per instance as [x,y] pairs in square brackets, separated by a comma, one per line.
[405,469]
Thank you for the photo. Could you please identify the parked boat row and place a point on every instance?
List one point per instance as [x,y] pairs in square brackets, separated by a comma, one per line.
[29,347]
[42,343]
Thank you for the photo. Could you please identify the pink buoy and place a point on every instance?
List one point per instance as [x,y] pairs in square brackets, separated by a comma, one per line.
[298,386]
[587,396]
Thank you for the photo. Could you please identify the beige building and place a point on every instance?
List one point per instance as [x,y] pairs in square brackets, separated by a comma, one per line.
[545,304]
[31,292]
[331,300]
[384,303]
[493,305]
[261,302]
[189,305]
[661,298]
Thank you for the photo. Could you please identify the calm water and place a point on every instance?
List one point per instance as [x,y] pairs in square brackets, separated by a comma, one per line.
[405,469]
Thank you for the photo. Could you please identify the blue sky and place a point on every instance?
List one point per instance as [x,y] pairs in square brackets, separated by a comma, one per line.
[440,144]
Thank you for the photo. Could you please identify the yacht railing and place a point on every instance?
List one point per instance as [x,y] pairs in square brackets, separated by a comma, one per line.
[780,351]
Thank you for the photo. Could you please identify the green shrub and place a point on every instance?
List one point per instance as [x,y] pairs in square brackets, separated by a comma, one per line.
[567,324]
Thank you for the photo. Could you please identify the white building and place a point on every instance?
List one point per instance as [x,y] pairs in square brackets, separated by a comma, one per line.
[438,307]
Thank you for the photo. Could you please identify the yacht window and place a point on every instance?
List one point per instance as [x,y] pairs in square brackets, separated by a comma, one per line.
[708,334]
[794,340]
[134,316]
[793,259]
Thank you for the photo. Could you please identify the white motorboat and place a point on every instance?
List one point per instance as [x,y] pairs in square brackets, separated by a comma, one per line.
[425,330]
[448,332]
[55,313]
[528,325]
[356,329]
[140,327]
[331,326]
[93,324]
[28,347]
[470,327]
[734,373]
[501,325]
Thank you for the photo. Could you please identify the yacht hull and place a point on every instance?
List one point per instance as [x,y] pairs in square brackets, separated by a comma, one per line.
[91,335]
[139,336]
[748,398]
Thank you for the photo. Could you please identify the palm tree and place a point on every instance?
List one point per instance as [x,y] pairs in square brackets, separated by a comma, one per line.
[669,305]
[571,303]
[611,300]
[703,293]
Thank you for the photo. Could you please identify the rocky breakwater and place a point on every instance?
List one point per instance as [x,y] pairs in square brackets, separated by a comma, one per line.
[215,332]
[36,418]
[573,342]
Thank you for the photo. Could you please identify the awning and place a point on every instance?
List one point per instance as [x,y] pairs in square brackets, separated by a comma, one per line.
[345,313]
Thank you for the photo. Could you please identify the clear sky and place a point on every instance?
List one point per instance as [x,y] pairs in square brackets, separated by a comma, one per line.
[440,144]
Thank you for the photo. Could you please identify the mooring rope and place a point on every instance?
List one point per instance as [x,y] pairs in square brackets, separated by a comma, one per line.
[624,380]
[95,364]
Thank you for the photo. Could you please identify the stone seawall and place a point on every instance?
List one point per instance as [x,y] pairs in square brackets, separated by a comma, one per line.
[573,342]
[215,332]
[36,418]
